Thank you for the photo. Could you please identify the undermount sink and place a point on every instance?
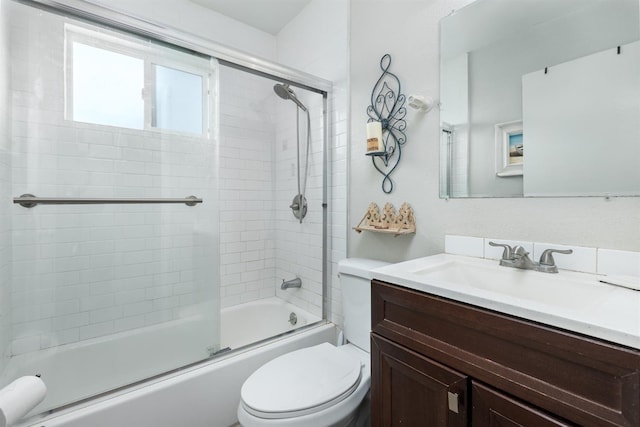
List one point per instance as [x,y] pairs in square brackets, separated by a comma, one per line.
[572,291]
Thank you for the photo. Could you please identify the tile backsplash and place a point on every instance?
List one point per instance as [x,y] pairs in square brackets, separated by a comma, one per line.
[463,245]
[614,262]
[585,259]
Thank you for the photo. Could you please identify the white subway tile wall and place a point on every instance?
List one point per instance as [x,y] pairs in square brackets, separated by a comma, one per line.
[85,272]
[338,197]
[247,187]
[261,242]
[81,272]
[5,190]
[316,41]
[299,245]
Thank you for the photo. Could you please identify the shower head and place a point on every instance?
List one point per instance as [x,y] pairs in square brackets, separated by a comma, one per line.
[285,92]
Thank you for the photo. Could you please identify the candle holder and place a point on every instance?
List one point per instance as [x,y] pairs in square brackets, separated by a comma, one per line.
[387,107]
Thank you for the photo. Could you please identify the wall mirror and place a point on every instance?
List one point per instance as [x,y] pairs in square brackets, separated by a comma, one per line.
[540,98]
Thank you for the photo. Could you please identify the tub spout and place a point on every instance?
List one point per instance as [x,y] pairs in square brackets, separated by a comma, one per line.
[293,283]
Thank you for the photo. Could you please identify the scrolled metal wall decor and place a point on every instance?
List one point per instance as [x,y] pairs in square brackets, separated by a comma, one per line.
[387,107]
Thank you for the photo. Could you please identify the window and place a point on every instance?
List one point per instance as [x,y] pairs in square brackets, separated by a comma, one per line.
[178,100]
[107,87]
[115,80]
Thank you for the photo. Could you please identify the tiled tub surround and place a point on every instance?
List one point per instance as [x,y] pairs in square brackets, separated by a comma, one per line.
[70,291]
[86,278]
[5,188]
[299,245]
[84,272]
[261,241]
[61,302]
[316,41]
[247,138]
[583,259]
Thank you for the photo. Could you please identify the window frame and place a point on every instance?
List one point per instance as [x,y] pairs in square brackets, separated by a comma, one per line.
[151,54]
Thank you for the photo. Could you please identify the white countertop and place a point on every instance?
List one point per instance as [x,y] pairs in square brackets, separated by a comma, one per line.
[569,300]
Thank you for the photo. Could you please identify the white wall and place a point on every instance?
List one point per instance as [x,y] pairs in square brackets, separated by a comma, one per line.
[192,18]
[316,41]
[5,188]
[413,45]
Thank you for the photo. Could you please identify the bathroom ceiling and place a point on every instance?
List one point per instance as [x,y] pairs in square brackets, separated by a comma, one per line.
[266,15]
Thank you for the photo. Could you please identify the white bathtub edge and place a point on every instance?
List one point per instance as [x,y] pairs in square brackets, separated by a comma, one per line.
[189,398]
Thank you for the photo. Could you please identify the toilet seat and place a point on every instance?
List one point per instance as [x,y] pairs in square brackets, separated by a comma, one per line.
[301,382]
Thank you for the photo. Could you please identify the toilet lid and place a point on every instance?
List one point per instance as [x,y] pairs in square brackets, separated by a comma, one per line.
[301,382]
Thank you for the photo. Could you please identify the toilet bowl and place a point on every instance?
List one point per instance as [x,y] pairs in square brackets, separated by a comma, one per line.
[323,385]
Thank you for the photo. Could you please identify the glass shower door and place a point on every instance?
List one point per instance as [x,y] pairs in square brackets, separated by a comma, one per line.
[114,279]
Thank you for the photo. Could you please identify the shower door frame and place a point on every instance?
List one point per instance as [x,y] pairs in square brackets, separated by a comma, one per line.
[226,56]
[104,16]
[148,28]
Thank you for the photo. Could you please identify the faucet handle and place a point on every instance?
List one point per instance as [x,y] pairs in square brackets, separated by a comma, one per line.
[507,253]
[547,256]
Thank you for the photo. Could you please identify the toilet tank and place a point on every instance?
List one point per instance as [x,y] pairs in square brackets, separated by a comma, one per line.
[355,280]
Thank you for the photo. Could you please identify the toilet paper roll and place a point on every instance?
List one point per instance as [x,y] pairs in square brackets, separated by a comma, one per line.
[19,397]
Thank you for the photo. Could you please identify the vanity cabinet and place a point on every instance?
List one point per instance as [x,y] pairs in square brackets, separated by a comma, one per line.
[494,409]
[415,390]
[438,362]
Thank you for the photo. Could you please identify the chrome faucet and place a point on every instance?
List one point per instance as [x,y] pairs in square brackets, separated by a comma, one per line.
[293,283]
[521,259]
[518,257]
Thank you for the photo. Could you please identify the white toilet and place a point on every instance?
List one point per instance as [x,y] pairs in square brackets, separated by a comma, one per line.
[321,385]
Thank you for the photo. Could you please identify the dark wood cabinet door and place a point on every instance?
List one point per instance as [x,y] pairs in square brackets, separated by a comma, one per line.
[408,389]
[584,380]
[491,408]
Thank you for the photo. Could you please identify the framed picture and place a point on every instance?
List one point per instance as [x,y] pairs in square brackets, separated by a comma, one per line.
[509,149]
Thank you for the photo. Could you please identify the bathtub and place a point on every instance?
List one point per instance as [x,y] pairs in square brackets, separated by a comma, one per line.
[206,394]
[253,321]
